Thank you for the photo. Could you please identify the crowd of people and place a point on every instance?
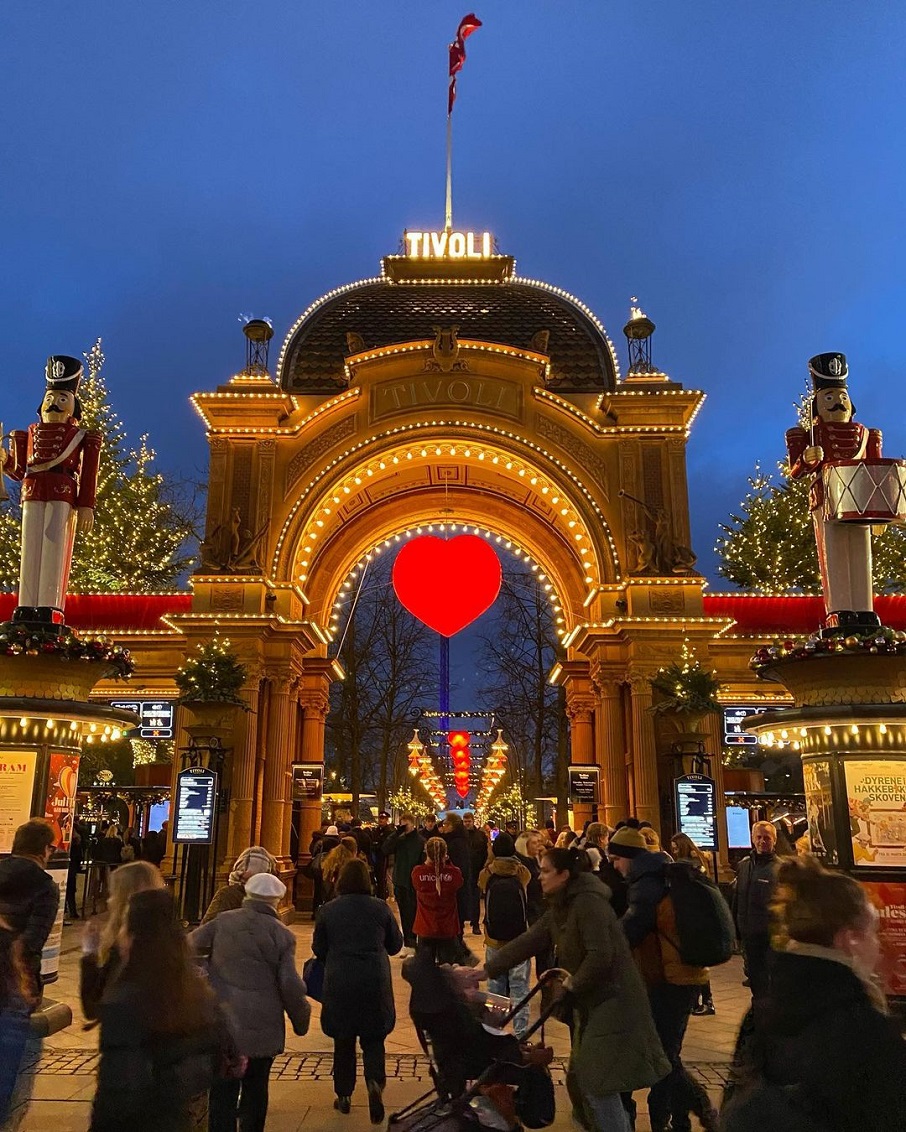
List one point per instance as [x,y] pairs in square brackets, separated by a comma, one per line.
[190,1022]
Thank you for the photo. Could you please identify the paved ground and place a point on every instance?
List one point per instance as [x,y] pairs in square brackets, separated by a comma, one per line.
[301,1089]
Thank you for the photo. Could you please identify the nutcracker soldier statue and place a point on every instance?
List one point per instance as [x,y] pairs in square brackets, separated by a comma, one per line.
[853,488]
[57,462]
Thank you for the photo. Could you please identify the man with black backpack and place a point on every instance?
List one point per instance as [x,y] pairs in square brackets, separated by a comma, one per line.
[503,883]
[672,925]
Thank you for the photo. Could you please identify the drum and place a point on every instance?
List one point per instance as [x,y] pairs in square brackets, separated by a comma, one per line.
[865,491]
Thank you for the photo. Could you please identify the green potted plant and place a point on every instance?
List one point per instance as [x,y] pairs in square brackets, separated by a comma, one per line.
[210,685]
[685,693]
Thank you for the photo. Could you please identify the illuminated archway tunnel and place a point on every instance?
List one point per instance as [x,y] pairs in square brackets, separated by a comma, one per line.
[392,487]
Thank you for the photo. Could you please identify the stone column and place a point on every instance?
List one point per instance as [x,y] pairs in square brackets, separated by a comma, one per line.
[714,747]
[242,778]
[281,745]
[610,750]
[580,708]
[315,706]
[644,752]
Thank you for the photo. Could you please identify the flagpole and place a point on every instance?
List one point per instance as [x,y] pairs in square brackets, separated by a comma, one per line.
[448,214]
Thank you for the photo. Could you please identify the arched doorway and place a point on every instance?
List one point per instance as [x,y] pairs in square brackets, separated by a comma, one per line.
[448,391]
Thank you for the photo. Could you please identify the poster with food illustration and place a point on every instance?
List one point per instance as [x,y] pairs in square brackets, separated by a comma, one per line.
[890,901]
[876,797]
[819,806]
[62,783]
[17,783]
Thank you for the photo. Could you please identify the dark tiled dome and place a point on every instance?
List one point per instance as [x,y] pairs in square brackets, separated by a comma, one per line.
[509,312]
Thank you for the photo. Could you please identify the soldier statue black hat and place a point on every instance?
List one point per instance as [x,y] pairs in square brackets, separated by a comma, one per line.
[63,373]
[828,371]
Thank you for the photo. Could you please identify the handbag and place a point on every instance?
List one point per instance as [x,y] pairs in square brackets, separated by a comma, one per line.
[536,1104]
[313,974]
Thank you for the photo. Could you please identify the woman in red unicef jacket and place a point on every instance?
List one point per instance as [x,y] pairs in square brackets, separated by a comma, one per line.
[436,883]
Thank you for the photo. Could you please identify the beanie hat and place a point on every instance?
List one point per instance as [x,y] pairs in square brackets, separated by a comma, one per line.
[503,845]
[626,842]
[331,831]
[265,886]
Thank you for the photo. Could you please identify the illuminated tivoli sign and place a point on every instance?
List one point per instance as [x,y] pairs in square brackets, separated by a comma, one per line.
[448,245]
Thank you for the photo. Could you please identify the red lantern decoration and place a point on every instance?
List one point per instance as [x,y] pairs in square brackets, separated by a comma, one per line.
[447,584]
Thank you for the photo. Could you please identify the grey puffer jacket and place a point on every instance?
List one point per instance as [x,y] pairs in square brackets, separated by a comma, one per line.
[252,969]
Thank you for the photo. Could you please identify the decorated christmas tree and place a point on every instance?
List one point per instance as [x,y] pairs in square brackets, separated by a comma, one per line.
[213,675]
[141,534]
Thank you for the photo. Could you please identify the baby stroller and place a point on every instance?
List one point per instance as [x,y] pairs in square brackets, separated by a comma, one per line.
[483,1078]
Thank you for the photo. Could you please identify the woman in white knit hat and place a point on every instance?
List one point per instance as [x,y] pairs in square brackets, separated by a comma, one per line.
[252,968]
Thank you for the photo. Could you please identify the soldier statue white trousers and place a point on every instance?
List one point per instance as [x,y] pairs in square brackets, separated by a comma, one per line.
[844,555]
[48,534]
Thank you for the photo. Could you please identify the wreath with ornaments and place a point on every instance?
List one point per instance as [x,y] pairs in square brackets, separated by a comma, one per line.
[883,641]
[19,640]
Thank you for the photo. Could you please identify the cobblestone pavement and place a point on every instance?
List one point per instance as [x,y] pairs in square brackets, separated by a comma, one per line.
[317,1066]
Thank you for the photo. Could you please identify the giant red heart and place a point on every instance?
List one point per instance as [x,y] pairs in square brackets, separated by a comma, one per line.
[447,584]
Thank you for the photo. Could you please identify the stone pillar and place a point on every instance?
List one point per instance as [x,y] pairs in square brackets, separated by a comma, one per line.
[714,747]
[644,753]
[610,750]
[580,708]
[315,706]
[281,745]
[242,778]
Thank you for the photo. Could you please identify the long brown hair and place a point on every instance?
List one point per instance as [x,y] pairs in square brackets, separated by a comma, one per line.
[339,856]
[686,850]
[173,993]
[127,880]
[436,853]
[811,904]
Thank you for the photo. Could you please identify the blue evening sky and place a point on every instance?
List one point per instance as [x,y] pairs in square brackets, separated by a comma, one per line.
[166,166]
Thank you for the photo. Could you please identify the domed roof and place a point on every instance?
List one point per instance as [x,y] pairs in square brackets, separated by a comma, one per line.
[510,312]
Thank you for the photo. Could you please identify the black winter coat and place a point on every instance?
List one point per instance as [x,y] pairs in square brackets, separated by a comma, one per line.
[146,1083]
[29,898]
[479,847]
[460,856]
[533,894]
[354,935]
[753,893]
[819,1032]
[619,890]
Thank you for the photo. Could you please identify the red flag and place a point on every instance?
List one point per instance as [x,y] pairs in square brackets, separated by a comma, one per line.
[467,25]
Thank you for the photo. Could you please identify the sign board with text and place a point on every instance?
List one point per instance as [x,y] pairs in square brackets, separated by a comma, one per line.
[695,800]
[584,785]
[308,782]
[17,782]
[196,805]
[734,733]
[156,717]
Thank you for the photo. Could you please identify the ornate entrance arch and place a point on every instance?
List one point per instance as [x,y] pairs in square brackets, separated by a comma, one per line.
[448,391]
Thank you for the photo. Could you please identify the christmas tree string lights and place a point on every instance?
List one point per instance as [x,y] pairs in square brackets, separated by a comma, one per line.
[213,675]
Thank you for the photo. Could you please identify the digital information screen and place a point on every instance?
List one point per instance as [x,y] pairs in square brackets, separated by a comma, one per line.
[584,785]
[695,809]
[156,717]
[734,735]
[308,782]
[196,799]
[739,833]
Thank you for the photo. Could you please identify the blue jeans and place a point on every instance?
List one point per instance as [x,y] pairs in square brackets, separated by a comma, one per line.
[515,985]
[607,1114]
